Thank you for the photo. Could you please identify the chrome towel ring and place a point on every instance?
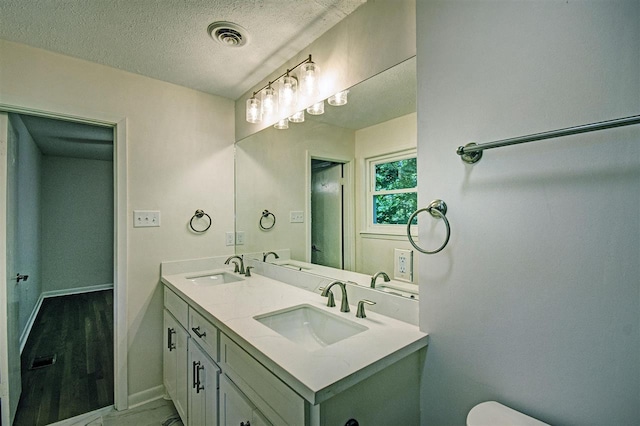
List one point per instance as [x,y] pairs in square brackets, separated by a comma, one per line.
[199,214]
[438,209]
[265,215]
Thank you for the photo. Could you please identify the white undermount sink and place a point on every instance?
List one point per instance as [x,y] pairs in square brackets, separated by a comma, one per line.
[214,279]
[310,327]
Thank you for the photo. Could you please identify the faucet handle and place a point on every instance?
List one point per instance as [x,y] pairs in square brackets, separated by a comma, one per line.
[360,312]
[248,271]
[331,301]
[236,268]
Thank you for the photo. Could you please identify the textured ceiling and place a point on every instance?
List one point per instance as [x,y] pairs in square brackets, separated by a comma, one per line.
[168,39]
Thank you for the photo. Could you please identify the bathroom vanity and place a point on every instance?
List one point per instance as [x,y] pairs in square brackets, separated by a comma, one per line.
[257,351]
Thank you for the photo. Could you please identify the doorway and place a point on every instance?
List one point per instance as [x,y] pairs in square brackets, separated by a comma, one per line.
[327,213]
[64,235]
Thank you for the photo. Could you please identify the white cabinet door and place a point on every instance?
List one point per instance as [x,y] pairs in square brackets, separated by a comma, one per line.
[236,409]
[203,388]
[175,358]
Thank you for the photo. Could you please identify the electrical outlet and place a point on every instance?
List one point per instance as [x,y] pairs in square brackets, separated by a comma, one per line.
[296,217]
[229,238]
[403,265]
[146,218]
[240,238]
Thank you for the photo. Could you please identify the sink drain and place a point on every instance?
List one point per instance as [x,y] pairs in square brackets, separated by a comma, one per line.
[42,361]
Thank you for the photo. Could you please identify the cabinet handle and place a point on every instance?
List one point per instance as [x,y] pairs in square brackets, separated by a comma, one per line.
[170,345]
[199,386]
[195,379]
[248,423]
[197,331]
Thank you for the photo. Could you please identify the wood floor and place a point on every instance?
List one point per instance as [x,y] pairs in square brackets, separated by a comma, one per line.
[78,330]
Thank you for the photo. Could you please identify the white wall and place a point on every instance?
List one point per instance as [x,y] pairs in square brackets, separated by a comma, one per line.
[29,225]
[77,223]
[535,302]
[180,158]
[375,252]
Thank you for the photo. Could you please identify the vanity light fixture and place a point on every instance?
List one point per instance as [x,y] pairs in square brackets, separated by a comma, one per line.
[254,110]
[316,109]
[282,124]
[309,73]
[338,99]
[298,117]
[269,101]
[287,93]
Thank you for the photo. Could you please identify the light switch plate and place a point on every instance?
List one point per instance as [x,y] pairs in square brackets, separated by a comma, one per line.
[146,218]
[229,238]
[240,238]
[403,265]
[296,217]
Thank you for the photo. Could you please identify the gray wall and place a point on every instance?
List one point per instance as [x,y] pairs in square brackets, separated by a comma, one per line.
[29,226]
[77,218]
[535,302]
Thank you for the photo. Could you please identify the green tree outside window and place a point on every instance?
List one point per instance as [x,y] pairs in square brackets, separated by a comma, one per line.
[394,193]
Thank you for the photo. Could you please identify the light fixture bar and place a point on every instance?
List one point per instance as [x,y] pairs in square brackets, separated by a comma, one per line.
[282,75]
[254,116]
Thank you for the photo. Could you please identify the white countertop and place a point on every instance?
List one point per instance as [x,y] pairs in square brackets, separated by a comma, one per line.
[315,375]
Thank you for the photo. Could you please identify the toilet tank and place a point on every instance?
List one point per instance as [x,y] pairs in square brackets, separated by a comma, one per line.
[493,413]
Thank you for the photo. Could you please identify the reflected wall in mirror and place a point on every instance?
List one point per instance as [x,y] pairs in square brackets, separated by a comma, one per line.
[317,178]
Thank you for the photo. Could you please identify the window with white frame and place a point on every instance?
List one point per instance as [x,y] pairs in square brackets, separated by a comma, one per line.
[392,191]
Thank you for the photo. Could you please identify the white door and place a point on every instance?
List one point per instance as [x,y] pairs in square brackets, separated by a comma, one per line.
[236,409]
[327,214]
[10,378]
[203,388]
[175,364]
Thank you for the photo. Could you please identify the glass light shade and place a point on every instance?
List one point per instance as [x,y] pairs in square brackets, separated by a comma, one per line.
[288,92]
[254,112]
[316,109]
[282,124]
[269,101]
[338,99]
[309,76]
[298,117]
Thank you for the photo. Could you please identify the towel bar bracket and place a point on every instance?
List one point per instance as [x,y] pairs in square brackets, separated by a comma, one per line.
[469,157]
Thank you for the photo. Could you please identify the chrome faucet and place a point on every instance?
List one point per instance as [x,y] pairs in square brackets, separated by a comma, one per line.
[360,311]
[226,262]
[264,255]
[375,277]
[344,306]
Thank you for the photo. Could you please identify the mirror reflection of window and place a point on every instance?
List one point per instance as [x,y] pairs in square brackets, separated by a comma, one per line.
[393,186]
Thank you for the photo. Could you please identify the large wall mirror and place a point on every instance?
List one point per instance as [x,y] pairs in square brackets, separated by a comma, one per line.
[334,192]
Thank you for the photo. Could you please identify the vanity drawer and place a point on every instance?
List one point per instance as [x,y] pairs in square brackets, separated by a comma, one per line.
[279,403]
[205,333]
[178,307]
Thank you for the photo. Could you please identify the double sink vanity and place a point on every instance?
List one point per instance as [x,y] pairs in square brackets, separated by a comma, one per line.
[266,349]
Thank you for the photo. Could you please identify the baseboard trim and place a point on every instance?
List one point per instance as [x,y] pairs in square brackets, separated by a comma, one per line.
[29,325]
[55,293]
[77,290]
[146,396]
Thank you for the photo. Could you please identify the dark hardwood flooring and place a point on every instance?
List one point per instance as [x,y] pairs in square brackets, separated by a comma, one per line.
[78,330]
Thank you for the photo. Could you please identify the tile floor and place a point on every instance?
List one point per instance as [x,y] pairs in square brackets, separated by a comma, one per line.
[157,413]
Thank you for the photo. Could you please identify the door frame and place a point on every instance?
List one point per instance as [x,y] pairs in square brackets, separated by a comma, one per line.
[348,204]
[120,335]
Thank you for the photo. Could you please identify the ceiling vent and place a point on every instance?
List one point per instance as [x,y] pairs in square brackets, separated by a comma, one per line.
[228,33]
